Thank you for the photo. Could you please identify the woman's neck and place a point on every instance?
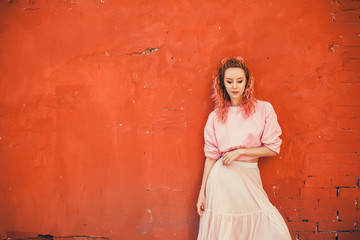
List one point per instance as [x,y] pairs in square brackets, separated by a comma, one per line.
[235,104]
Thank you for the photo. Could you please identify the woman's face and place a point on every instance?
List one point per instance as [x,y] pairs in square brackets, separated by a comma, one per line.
[234,81]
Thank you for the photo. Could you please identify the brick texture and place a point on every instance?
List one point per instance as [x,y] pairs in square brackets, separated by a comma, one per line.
[327,205]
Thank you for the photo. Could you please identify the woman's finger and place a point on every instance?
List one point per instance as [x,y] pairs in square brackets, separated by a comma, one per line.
[199,211]
[200,207]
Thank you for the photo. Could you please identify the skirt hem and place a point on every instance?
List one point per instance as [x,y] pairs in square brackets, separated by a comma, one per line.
[239,214]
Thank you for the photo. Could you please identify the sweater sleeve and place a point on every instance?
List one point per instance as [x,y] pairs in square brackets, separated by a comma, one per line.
[272,131]
[211,148]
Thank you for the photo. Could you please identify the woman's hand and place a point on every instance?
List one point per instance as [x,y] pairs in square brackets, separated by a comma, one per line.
[231,156]
[201,204]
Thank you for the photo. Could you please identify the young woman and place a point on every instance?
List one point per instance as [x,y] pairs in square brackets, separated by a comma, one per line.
[232,203]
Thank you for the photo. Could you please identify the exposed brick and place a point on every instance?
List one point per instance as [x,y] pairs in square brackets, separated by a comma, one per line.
[17,235]
[317,214]
[332,156]
[298,203]
[351,65]
[337,225]
[316,236]
[349,193]
[316,193]
[347,16]
[302,226]
[350,27]
[289,214]
[349,214]
[332,170]
[345,158]
[348,235]
[345,7]
[294,235]
[351,51]
[344,181]
[337,204]
[317,181]
[286,191]
[350,41]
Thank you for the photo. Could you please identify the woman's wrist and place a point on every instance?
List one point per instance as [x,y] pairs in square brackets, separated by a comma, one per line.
[241,151]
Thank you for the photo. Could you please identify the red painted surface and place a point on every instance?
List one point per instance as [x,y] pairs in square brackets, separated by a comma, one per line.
[98,139]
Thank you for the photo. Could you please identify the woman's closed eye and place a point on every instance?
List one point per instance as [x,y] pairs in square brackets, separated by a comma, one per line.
[230,82]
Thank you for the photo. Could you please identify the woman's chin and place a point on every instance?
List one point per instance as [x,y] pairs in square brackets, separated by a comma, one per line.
[236,97]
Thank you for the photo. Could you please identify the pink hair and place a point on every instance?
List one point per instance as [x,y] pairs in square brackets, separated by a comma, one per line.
[220,96]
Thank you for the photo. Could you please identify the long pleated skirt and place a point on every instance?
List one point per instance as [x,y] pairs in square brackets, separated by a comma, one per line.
[237,207]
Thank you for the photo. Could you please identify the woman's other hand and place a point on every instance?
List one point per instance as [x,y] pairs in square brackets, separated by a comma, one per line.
[230,156]
[201,204]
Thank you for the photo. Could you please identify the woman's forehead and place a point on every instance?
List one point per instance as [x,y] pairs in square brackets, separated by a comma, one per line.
[234,73]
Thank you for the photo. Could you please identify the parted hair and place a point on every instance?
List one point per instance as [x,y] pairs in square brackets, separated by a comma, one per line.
[220,96]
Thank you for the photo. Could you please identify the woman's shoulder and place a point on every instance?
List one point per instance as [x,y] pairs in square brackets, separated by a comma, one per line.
[212,114]
[264,106]
[211,119]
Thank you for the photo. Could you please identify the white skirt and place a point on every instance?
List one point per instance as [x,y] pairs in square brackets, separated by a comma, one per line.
[237,207]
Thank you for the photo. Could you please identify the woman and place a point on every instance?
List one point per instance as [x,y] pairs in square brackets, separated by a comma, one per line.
[232,203]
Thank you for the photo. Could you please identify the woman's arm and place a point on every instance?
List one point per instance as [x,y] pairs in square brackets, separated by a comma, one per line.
[209,163]
[256,152]
[252,152]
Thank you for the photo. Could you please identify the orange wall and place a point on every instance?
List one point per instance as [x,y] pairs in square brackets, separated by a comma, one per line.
[98,139]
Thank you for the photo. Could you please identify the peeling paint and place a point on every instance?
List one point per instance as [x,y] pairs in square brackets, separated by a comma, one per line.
[332,47]
[147,51]
[151,217]
[333,17]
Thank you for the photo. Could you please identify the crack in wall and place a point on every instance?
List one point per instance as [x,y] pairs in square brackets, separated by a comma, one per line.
[333,46]
[145,52]
[344,8]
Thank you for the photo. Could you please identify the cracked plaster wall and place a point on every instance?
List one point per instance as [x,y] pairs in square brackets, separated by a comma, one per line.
[103,104]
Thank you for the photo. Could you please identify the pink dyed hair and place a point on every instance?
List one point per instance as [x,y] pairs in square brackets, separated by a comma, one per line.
[220,96]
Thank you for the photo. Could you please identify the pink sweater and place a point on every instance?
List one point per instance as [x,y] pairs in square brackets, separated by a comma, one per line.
[260,129]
